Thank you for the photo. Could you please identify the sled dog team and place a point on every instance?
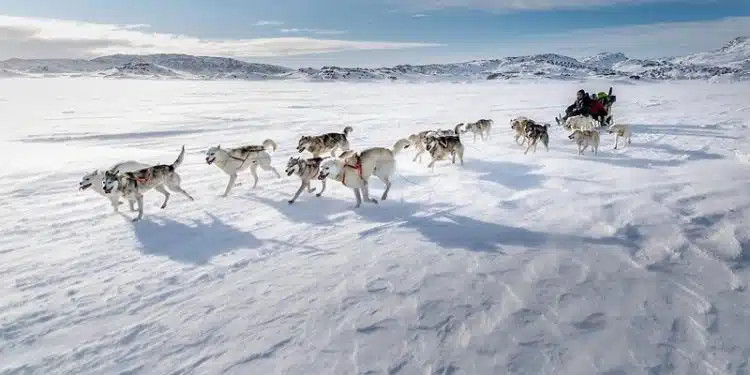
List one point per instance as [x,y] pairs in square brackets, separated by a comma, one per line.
[131,179]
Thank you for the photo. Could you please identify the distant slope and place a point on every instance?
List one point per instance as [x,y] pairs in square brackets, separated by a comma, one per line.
[731,61]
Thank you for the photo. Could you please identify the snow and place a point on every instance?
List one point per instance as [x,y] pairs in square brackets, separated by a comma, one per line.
[634,261]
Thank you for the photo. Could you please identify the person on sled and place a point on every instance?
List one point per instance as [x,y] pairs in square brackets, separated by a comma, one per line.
[582,106]
[598,111]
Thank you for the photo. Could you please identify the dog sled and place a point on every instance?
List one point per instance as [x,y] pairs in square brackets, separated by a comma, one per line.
[606,99]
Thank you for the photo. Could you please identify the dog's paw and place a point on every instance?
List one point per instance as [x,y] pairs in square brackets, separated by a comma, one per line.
[312,190]
[318,195]
[290,201]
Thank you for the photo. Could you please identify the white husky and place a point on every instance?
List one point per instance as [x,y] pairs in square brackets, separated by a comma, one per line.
[354,169]
[234,160]
[94,180]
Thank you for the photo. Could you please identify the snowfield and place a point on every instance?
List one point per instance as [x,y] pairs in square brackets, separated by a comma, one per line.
[632,262]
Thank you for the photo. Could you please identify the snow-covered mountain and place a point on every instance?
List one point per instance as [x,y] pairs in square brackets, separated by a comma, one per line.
[730,61]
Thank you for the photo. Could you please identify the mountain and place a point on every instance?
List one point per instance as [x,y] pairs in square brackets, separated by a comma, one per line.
[735,54]
[731,61]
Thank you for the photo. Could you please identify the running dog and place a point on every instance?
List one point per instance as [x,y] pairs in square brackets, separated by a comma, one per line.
[586,138]
[307,170]
[440,147]
[620,130]
[353,169]
[535,133]
[418,142]
[94,179]
[580,122]
[518,124]
[482,127]
[132,185]
[235,160]
[328,142]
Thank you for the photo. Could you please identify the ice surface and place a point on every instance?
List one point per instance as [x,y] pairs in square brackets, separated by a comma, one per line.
[634,261]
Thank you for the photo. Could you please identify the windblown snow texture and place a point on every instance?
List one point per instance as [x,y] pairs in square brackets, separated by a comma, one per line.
[634,261]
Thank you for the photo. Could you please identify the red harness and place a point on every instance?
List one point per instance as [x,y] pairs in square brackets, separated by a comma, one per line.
[357,167]
[144,179]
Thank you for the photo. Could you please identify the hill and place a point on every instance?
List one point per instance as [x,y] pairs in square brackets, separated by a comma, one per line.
[730,61]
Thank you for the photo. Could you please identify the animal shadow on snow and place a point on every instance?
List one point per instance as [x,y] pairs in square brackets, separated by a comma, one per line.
[335,200]
[441,226]
[194,243]
[514,176]
[680,156]
[112,137]
[307,208]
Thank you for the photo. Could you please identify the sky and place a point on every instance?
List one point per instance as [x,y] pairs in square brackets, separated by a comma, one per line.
[367,33]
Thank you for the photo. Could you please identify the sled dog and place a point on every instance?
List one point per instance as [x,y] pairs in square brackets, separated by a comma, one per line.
[620,130]
[440,147]
[581,122]
[536,133]
[518,124]
[584,139]
[482,127]
[328,142]
[307,170]
[132,185]
[418,143]
[354,169]
[234,160]
[94,179]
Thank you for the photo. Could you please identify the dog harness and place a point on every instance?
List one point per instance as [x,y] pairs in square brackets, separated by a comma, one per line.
[357,167]
[144,179]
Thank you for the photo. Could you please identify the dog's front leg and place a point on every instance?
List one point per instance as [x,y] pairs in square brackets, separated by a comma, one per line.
[310,189]
[254,173]
[322,189]
[131,205]
[617,137]
[139,199]
[115,202]
[366,192]
[531,143]
[299,191]
[432,165]
[230,185]
[357,197]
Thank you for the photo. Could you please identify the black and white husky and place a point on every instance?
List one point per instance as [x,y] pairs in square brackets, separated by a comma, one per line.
[93,181]
[483,128]
[132,185]
[307,170]
[441,147]
[329,142]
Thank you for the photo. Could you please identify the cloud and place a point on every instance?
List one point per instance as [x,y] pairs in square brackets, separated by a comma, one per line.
[268,23]
[419,15]
[646,41]
[313,31]
[519,5]
[49,38]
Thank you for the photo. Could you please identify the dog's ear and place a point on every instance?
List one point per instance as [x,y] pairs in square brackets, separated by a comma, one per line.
[96,171]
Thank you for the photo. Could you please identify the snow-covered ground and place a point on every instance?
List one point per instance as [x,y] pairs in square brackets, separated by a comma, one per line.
[634,261]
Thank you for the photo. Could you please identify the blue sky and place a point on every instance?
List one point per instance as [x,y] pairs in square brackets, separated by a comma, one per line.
[367,32]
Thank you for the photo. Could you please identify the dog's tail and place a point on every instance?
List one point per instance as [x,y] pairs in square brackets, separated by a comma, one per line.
[269,143]
[347,131]
[400,145]
[458,128]
[179,159]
